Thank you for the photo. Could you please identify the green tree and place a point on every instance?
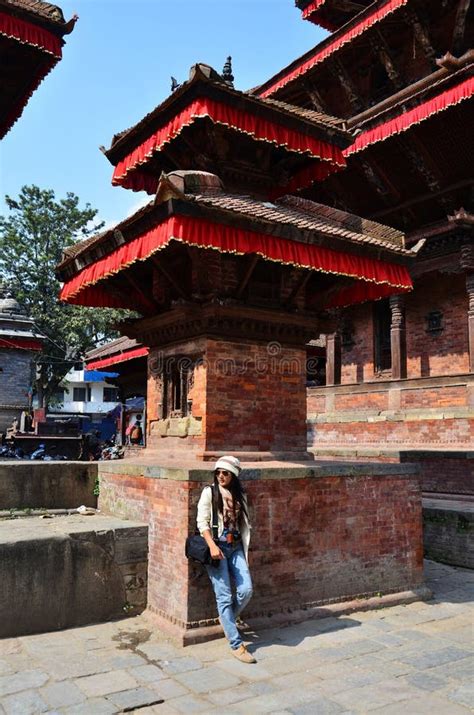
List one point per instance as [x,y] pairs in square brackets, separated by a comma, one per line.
[32,239]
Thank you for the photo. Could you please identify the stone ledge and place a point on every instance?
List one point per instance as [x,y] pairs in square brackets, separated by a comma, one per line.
[413,383]
[414,415]
[46,485]
[311,470]
[192,636]
[70,571]
[402,454]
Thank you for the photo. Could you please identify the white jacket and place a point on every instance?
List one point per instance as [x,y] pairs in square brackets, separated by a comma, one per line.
[204,518]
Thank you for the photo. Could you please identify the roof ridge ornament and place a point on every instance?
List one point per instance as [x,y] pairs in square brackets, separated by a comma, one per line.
[227,75]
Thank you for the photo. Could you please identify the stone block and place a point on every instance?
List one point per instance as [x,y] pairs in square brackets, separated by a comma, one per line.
[134,699]
[28,702]
[106,683]
[62,572]
[178,427]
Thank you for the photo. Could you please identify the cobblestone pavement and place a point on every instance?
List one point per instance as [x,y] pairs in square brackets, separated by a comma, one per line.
[406,660]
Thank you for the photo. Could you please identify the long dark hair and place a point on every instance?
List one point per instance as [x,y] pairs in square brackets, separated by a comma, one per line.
[238,494]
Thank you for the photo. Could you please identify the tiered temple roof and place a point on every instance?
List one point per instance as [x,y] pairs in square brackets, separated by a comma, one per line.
[192,212]
[266,147]
[331,14]
[31,41]
[400,72]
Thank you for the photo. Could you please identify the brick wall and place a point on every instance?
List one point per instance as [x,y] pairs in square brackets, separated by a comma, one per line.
[444,353]
[456,396]
[429,354]
[426,412]
[325,536]
[365,401]
[262,405]
[445,473]
[448,533]
[15,379]
[358,359]
[248,397]
[422,433]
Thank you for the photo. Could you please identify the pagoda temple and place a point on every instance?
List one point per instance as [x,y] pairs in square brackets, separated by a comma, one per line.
[400,73]
[233,269]
[31,42]
[226,266]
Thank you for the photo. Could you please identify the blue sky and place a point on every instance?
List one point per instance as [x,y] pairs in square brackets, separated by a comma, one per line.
[116,67]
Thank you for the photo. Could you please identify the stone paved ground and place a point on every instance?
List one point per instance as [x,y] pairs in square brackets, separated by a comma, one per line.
[405,660]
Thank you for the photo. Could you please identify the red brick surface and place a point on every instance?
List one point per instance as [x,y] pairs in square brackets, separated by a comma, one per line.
[364,401]
[429,354]
[455,396]
[444,353]
[446,475]
[314,540]
[250,397]
[262,406]
[424,433]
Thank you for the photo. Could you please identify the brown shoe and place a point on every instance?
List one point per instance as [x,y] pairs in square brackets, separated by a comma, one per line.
[242,654]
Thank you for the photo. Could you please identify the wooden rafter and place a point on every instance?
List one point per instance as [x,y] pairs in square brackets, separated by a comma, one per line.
[460,26]
[421,34]
[169,277]
[382,49]
[253,260]
[315,96]
[145,299]
[300,285]
[421,199]
[347,84]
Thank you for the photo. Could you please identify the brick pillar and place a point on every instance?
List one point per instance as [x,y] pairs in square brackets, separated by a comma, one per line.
[333,359]
[470,318]
[398,337]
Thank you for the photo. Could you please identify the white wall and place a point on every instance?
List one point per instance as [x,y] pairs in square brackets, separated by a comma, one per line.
[96,404]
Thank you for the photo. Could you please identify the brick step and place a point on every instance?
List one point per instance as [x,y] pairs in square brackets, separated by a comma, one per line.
[70,571]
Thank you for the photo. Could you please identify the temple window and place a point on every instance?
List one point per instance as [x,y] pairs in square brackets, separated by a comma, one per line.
[434,322]
[315,366]
[382,342]
[175,388]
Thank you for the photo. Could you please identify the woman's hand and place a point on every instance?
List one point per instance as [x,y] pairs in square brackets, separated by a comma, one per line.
[216,553]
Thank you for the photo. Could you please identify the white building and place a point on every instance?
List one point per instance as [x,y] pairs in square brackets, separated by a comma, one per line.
[86,392]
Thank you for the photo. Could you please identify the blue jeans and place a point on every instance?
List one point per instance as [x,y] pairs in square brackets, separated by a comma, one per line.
[229,607]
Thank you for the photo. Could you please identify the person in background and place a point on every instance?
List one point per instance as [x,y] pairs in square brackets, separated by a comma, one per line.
[136,435]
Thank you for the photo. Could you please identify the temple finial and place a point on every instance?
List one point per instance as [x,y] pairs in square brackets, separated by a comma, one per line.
[227,75]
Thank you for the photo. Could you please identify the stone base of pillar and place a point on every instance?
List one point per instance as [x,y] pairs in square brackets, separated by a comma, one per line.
[323,534]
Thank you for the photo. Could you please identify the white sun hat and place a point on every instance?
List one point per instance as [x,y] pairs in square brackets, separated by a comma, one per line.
[232,464]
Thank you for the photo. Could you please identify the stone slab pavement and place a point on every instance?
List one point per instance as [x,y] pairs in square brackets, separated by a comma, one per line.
[404,660]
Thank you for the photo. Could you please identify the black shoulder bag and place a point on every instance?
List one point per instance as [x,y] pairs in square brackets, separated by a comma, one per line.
[196,548]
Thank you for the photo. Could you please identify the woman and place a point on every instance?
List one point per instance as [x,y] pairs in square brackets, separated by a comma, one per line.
[229,554]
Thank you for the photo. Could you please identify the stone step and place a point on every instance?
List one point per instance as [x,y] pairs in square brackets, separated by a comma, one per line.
[70,571]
